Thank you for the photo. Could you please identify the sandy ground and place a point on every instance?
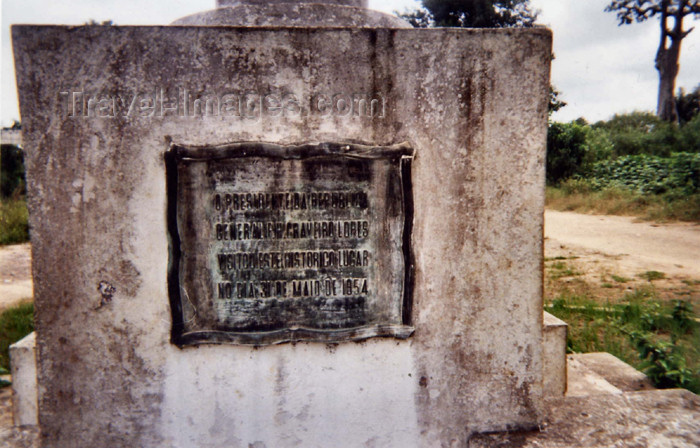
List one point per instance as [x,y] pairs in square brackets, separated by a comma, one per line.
[608,253]
[638,246]
[15,274]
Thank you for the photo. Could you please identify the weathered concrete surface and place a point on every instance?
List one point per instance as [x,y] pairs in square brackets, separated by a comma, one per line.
[616,372]
[472,103]
[24,385]
[556,432]
[12,436]
[582,381]
[554,355]
[649,419]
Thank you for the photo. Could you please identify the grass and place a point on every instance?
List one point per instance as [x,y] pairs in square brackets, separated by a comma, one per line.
[639,324]
[559,258]
[619,279]
[15,323]
[649,325]
[577,197]
[14,227]
[652,275]
[559,269]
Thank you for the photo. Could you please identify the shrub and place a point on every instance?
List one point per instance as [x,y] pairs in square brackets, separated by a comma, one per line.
[689,138]
[640,133]
[11,171]
[650,174]
[566,150]
[688,104]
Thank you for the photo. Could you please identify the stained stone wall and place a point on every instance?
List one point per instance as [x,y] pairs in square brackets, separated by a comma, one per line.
[100,108]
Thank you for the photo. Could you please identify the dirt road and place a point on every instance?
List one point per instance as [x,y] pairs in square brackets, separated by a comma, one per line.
[638,246]
[15,274]
[610,258]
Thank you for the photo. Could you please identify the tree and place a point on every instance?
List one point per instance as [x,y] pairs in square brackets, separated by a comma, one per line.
[668,54]
[473,14]
[419,18]
[555,103]
[688,105]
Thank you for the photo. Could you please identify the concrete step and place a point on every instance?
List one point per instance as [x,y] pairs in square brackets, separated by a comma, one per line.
[608,403]
[582,381]
[612,370]
[650,419]
[24,385]
[554,355]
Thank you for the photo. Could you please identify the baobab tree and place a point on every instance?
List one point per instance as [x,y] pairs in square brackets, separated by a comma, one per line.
[668,54]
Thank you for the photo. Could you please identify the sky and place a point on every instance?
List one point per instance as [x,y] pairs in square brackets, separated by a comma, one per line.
[599,68]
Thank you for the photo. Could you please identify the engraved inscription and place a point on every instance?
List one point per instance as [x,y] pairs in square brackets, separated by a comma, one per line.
[280,244]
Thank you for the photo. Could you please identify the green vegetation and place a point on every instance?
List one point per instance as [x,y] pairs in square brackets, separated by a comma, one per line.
[14,227]
[472,14]
[559,258]
[679,173]
[577,195]
[11,171]
[15,323]
[652,275]
[632,164]
[660,338]
[619,279]
[560,269]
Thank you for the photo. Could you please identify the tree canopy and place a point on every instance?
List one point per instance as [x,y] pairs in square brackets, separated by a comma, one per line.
[473,14]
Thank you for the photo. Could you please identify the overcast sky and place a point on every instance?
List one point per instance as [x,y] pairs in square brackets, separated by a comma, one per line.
[600,68]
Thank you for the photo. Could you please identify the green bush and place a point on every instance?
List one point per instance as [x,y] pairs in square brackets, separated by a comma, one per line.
[664,362]
[11,171]
[689,138]
[641,133]
[566,151]
[599,145]
[688,104]
[649,174]
[656,337]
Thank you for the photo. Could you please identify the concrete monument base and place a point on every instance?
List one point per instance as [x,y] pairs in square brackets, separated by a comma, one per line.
[649,418]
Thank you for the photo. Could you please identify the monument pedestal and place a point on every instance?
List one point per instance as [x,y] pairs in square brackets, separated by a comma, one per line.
[102,106]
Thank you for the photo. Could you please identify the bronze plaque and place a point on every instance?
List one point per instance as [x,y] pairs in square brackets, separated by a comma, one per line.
[274,244]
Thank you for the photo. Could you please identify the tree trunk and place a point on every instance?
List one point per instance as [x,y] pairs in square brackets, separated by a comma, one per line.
[667,58]
[667,65]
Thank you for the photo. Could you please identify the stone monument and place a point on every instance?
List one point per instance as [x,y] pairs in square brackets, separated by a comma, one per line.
[285,224]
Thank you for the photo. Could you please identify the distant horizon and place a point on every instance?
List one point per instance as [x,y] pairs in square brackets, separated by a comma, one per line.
[600,69]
